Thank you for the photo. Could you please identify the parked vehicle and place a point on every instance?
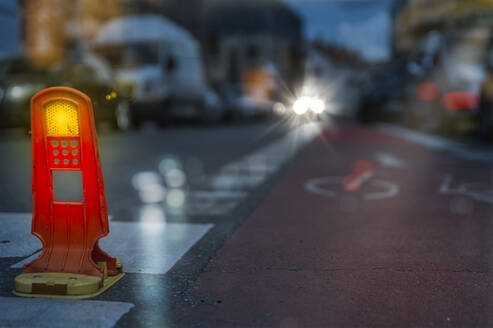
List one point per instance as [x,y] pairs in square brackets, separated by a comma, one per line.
[451,68]
[383,95]
[19,81]
[161,63]
[485,112]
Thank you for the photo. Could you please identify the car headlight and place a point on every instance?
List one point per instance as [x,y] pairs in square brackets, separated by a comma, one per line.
[317,106]
[279,108]
[304,104]
[301,105]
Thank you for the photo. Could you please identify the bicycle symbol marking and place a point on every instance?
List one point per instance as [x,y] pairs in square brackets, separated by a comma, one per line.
[330,186]
[477,191]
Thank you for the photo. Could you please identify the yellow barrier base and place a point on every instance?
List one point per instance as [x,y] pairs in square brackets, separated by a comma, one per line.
[63,285]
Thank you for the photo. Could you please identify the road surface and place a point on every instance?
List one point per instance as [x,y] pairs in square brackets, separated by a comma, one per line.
[253,225]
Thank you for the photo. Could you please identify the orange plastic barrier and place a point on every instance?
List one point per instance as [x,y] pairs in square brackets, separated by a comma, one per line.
[64,138]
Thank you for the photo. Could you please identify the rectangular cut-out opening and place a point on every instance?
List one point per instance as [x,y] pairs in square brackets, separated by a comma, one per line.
[67,186]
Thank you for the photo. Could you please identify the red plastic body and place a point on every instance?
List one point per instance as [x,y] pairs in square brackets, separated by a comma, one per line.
[69,231]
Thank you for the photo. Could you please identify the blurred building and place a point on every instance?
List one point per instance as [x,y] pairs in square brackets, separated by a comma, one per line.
[243,34]
[44,30]
[415,19]
[236,36]
[446,46]
[396,9]
[336,74]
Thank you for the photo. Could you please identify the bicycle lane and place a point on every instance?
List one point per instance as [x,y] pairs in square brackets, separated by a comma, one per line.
[320,256]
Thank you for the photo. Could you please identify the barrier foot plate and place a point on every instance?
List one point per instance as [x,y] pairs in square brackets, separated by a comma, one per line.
[62,285]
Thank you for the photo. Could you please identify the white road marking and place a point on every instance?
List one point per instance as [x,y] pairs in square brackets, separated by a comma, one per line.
[253,164]
[439,143]
[147,247]
[390,161]
[152,247]
[218,194]
[49,313]
[313,186]
[16,239]
[215,202]
[139,244]
[477,191]
[329,186]
[249,172]
[236,181]
[208,209]
[391,190]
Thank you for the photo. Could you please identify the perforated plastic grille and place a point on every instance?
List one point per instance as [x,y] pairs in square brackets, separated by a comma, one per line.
[61,118]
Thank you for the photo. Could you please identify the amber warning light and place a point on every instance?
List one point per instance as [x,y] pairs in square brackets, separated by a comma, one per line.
[71,265]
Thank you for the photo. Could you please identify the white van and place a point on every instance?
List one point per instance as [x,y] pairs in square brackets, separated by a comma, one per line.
[160,64]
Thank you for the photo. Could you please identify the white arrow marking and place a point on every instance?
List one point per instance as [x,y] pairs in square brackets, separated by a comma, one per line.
[388,160]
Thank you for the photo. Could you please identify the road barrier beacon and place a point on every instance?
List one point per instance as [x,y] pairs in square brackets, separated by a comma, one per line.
[64,141]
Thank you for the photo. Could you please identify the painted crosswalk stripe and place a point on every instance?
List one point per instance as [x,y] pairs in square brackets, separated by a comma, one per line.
[145,247]
[15,235]
[248,172]
[49,313]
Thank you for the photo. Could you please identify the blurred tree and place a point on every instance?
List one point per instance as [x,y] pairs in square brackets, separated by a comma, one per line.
[44,35]
[95,13]
[416,18]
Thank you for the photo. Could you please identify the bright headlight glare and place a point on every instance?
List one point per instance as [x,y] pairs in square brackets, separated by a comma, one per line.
[317,106]
[301,105]
[279,108]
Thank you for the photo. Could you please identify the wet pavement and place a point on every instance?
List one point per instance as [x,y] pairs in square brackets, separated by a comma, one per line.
[251,226]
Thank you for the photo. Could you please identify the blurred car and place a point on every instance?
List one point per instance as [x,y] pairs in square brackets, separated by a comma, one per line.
[258,94]
[450,68]
[311,107]
[310,101]
[485,112]
[20,81]
[92,76]
[384,94]
[162,64]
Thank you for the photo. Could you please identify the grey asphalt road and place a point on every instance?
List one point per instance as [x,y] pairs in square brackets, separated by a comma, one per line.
[199,149]
[185,198]
[202,181]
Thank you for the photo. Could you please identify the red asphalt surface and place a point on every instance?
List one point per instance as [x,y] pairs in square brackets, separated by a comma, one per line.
[419,259]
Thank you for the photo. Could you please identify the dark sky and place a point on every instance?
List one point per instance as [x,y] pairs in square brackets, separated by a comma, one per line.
[361,25]
[9,28]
